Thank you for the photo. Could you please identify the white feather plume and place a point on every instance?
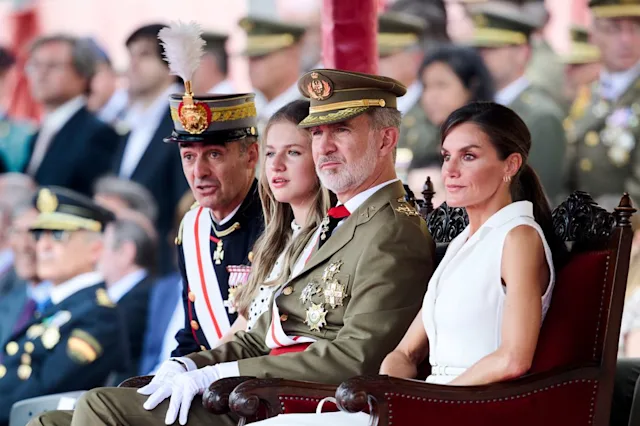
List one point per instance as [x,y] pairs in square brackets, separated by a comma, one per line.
[183,48]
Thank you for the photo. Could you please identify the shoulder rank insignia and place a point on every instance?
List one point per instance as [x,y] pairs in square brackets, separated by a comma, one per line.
[103,298]
[83,348]
[406,210]
[316,317]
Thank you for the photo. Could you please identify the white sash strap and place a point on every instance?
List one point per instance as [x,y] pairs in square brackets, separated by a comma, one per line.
[203,282]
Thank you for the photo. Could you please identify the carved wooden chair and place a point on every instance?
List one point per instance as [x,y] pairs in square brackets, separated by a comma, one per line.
[571,379]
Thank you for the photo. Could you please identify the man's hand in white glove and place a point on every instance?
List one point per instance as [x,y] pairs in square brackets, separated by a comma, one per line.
[167,371]
[182,388]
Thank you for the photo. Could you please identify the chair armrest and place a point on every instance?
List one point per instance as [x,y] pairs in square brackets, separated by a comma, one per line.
[272,394]
[374,393]
[216,398]
[136,382]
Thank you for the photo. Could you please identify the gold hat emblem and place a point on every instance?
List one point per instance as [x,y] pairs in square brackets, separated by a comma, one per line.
[319,88]
[195,118]
[47,201]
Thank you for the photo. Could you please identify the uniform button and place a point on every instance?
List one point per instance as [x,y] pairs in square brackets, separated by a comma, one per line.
[195,325]
[29,347]
[25,359]
[586,165]
[592,138]
[12,348]
[202,348]
[284,317]
[3,371]
[287,291]
[192,296]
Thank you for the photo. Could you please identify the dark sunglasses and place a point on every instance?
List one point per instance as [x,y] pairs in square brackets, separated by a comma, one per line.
[57,235]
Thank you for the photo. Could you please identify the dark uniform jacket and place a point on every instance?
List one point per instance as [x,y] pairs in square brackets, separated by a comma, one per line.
[75,345]
[237,246]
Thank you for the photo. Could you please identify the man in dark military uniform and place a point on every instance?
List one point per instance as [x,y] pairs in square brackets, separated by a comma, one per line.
[78,340]
[603,133]
[503,36]
[400,46]
[354,289]
[275,61]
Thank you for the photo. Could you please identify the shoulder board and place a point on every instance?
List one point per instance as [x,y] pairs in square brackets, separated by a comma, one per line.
[82,347]
[404,208]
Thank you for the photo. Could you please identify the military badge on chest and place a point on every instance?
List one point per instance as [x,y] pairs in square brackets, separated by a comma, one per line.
[238,276]
[618,134]
[330,291]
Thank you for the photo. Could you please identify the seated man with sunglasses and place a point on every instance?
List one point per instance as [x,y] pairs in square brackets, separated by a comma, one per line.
[78,339]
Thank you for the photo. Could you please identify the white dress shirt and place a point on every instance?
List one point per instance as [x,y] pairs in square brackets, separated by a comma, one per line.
[144,123]
[114,107]
[614,84]
[124,285]
[266,108]
[510,93]
[61,291]
[51,125]
[411,98]
[39,292]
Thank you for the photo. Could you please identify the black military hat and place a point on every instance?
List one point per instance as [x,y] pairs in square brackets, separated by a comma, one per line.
[398,31]
[61,209]
[496,26]
[615,8]
[581,51]
[341,95]
[213,119]
[266,36]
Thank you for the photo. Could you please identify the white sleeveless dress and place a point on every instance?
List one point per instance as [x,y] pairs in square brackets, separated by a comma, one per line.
[462,309]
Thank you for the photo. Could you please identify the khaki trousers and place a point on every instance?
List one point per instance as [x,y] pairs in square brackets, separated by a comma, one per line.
[123,407]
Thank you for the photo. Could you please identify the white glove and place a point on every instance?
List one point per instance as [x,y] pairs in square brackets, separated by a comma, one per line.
[167,371]
[182,389]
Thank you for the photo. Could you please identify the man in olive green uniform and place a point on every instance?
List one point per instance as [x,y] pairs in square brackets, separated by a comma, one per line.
[503,36]
[354,289]
[602,135]
[401,48]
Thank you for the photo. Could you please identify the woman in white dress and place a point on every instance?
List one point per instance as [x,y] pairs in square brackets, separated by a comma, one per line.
[486,301]
[294,204]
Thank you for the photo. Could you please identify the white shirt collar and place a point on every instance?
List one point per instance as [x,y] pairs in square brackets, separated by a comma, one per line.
[225,87]
[266,109]
[39,291]
[227,218]
[6,260]
[61,291]
[150,116]
[116,104]
[56,120]
[355,202]
[614,84]
[509,94]
[406,102]
[125,284]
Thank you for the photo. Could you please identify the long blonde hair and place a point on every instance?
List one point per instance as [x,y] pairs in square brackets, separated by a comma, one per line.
[277,234]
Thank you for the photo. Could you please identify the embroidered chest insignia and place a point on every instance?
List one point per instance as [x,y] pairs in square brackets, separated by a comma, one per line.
[407,210]
[324,228]
[331,270]
[316,317]
[334,293]
[309,291]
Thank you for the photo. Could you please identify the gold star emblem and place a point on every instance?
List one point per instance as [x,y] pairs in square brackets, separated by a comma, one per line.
[331,270]
[316,317]
[308,292]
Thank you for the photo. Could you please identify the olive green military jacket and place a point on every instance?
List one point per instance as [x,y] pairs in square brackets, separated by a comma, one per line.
[546,71]
[384,254]
[603,156]
[418,139]
[544,119]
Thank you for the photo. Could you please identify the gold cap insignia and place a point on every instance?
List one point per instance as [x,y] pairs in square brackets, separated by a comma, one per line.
[195,117]
[103,298]
[316,317]
[47,201]
[319,88]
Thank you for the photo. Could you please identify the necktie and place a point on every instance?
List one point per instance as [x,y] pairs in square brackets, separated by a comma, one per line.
[26,316]
[334,216]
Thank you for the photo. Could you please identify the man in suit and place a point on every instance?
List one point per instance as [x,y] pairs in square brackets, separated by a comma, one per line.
[274,52]
[72,147]
[78,340]
[355,288]
[127,264]
[402,40]
[142,156]
[120,195]
[503,35]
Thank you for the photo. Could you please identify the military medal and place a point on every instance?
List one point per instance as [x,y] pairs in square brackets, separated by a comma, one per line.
[316,317]
[35,331]
[50,338]
[601,109]
[218,255]
[324,228]
[230,303]
[334,293]
[331,270]
[24,372]
[308,292]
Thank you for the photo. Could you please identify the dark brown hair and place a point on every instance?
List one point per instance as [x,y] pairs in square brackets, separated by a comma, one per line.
[509,135]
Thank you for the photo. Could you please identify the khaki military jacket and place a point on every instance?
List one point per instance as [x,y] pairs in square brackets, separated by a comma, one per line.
[544,119]
[546,71]
[384,256]
[603,156]
[418,139]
